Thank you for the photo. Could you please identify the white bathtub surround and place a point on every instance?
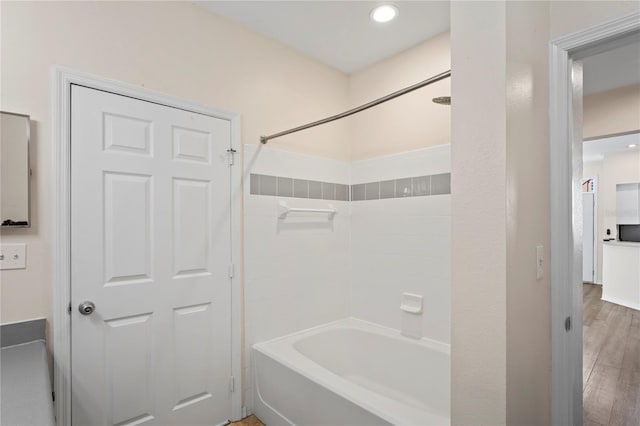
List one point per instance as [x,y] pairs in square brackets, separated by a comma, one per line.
[427,161]
[296,270]
[411,323]
[402,246]
[305,269]
[352,372]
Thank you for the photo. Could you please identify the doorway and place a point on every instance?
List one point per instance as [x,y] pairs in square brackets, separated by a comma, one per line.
[566,175]
[147,222]
[611,319]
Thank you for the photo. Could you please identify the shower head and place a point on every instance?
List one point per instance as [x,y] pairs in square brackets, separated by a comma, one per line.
[442,100]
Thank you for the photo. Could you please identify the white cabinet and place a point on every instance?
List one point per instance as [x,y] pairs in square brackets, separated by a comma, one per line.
[621,273]
[628,203]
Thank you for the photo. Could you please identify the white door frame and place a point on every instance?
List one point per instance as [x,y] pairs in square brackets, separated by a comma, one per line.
[565,150]
[595,226]
[61,81]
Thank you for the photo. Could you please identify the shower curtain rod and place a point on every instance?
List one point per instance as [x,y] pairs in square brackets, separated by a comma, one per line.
[435,78]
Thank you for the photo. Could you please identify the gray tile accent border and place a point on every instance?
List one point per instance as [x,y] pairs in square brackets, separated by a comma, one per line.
[315,190]
[417,186]
[268,185]
[342,192]
[358,192]
[285,187]
[254,185]
[388,189]
[22,332]
[372,190]
[404,188]
[300,188]
[328,191]
[421,186]
[441,184]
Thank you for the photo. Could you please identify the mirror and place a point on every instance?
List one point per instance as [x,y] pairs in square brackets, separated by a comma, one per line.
[14,170]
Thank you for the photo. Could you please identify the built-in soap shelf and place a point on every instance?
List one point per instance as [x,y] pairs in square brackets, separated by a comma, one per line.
[284,210]
[411,303]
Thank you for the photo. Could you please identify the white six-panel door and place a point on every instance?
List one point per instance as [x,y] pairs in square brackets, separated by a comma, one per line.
[150,247]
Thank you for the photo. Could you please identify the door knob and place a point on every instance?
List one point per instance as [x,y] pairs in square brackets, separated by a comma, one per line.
[86,308]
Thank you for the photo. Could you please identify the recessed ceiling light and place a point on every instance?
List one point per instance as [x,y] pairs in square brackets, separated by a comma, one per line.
[384,13]
[632,145]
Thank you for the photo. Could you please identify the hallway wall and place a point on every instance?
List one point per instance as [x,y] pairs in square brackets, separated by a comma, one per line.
[611,112]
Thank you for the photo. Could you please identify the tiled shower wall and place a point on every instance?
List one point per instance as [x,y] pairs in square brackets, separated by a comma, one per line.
[297,270]
[391,235]
[403,245]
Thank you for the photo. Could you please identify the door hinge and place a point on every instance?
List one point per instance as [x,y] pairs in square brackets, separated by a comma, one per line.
[69,308]
[232,270]
[567,324]
[53,396]
[231,155]
[232,384]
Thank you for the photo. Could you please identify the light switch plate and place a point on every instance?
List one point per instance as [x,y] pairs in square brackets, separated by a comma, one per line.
[13,256]
[539,262]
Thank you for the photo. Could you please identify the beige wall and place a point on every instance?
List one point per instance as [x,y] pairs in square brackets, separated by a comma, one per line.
[611,112]
[501,339]
[527,220]
[173,47]
[412,121]
[478,195]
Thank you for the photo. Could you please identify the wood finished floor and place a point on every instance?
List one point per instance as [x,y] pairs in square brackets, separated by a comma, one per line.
[248,421]
[611,361]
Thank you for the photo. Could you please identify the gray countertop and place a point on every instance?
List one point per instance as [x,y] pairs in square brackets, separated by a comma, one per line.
[621,243]
[26,388]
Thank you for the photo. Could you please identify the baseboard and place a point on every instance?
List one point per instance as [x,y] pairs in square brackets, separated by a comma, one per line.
[622,302]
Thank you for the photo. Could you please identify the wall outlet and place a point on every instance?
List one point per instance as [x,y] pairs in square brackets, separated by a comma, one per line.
[13,256]
[539,262]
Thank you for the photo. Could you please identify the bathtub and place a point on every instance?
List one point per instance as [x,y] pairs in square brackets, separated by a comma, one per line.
[351,372]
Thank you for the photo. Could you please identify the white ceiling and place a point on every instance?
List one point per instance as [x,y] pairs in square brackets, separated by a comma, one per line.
[338,33]
[594,150]
[341,35]
[612,69]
